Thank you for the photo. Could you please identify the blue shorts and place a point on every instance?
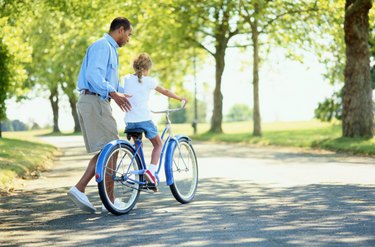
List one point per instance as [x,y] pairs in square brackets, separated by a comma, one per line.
[148,126]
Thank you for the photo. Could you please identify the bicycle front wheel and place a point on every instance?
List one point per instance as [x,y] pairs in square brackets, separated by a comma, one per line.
[119,189]
[185,172]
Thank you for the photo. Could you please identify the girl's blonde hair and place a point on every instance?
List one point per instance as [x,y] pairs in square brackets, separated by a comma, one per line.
[141,63]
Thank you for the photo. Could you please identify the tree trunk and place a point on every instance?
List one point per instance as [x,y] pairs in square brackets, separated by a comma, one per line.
[257,129]
[217,115]
[73,106]
[54,100]
[1,133]
[357,95]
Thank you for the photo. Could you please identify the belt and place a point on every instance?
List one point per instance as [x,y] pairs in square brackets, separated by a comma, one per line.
[88,92]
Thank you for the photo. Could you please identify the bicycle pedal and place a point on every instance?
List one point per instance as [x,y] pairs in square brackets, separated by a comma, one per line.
[152,187]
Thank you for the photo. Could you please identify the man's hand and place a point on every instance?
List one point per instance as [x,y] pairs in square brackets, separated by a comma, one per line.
[121,100]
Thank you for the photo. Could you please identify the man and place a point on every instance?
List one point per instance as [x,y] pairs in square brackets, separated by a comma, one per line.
[98,83]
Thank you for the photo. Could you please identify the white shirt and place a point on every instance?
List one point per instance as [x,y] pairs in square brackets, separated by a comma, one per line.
[139,100]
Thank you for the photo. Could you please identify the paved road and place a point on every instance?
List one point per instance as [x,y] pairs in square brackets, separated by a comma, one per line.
[247,197]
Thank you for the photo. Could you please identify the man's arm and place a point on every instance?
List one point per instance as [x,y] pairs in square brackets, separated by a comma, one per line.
[96,72]
[97,68]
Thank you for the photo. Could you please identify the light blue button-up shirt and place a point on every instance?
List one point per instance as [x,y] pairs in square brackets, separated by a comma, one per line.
[99,70]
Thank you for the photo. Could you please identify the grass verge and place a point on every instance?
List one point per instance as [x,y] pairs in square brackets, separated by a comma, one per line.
[22,156]
[310,134]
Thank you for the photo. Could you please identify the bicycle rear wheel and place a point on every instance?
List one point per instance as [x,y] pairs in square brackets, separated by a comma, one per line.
[119,190]
[185,172]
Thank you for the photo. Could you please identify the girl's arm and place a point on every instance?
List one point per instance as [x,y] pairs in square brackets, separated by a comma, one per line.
[169,93]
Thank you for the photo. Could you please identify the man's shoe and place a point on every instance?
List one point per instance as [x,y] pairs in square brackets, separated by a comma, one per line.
[81,200]
[118,203]
[150,178]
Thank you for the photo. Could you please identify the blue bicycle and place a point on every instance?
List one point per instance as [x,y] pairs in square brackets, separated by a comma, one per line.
[120,168]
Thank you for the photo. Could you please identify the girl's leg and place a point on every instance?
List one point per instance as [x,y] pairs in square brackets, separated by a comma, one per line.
[150,172]
[155,155]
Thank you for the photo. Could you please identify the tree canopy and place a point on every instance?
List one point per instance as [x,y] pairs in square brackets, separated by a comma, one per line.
[45,43]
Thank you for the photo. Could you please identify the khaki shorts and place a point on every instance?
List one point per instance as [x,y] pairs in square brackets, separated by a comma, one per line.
[97,123]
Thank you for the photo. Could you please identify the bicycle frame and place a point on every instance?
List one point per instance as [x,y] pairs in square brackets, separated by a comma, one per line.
[166,154]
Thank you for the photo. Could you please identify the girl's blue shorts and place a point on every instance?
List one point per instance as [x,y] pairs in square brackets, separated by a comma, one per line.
[148,126]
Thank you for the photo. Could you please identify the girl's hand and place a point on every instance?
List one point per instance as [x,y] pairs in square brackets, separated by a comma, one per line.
[184,99]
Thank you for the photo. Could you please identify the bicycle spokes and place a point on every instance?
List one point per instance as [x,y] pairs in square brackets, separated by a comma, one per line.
[185,172]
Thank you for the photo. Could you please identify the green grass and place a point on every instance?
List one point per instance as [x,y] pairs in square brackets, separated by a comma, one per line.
[364,146]
[22,156]
[294,134]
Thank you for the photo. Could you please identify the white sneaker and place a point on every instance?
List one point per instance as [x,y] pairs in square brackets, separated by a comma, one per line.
[81,200]
[118,203]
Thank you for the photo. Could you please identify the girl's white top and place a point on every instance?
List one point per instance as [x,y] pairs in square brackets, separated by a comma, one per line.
[139,100]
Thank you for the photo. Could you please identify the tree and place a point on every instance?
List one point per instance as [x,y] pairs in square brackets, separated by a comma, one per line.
[170,54]
[372,50]
[42,34]
[19,125]
[210,26]
[335,61]
[68,61]
[4,80]
[6,125]
[60,31]
[357,94]
[68,57]
[330,108]
[187,115]
[14,54]
[201,112]
[239,112]
[55,66]
[78,23]
[282,23]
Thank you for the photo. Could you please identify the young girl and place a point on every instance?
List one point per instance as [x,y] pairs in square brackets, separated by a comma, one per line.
[139,86]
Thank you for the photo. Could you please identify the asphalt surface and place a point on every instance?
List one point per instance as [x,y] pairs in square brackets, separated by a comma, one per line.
[247,196]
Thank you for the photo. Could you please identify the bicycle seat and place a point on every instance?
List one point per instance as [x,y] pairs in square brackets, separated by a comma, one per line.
[135,133]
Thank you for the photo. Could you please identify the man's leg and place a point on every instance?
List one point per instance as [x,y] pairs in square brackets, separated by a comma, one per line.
[109,174]
[88,175]
[76,193]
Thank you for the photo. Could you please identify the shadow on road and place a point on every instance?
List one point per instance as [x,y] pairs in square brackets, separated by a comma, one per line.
[225,212]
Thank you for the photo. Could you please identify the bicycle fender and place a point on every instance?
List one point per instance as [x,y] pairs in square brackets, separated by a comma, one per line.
[103,156]
[168,166]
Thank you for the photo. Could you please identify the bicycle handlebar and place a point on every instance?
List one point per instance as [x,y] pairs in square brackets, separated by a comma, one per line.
[183,104]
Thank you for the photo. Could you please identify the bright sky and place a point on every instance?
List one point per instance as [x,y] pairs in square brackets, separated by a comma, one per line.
[288,91]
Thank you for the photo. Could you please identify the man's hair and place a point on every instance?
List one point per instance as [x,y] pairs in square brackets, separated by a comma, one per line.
[120,22]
